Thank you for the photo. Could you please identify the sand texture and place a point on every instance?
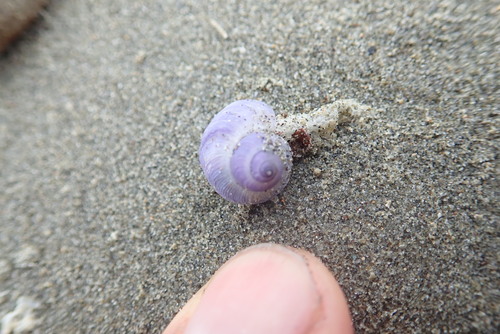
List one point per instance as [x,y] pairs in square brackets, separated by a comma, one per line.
[107,224]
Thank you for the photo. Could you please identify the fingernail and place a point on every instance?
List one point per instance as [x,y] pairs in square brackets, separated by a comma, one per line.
[264,289]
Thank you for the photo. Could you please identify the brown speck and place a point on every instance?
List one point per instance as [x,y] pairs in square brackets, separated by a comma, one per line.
[300,143]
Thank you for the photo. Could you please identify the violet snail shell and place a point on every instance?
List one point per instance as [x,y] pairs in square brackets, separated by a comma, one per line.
[241,155]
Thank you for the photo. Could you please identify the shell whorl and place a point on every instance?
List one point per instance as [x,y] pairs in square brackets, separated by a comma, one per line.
[242,157]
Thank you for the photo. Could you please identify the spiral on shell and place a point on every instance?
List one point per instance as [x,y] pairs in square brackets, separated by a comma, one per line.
[241,155]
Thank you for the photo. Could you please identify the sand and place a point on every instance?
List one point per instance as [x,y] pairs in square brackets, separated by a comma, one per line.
[108,223]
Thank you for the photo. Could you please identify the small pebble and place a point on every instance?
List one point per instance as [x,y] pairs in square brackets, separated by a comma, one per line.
[140,57]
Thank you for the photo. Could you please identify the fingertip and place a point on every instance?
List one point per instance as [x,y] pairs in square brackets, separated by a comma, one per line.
[261,285]
[180,321]
[338,317]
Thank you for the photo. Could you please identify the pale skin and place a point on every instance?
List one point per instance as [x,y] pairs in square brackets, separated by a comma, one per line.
[267,288]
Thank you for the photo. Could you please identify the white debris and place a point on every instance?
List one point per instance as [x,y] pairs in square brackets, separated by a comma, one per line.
[322,122]
[22,319]
[218,28]
[27,256]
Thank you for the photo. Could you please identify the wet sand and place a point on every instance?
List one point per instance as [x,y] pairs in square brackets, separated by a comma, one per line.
[108,222]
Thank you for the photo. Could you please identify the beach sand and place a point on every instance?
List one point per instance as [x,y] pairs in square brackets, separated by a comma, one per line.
[109,224]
